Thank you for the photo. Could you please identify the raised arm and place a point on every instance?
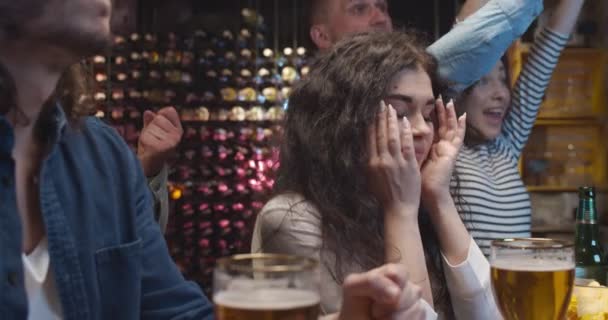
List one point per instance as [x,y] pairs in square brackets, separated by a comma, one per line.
[394,179]
[465,268]
[565,15]
[474,46]
[536,74]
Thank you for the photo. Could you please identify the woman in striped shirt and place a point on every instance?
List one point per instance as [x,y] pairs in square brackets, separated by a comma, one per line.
[489,191]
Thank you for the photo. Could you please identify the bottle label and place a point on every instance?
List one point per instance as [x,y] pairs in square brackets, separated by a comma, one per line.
[597,273]
[587,217]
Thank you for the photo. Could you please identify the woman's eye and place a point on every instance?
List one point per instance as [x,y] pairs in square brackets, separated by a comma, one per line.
[431,117]
[359,9]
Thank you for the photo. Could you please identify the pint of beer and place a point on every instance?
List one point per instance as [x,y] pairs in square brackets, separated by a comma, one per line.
[532,278]
[266,287]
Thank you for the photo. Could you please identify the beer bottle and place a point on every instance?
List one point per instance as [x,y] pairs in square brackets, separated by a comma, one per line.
[591,261]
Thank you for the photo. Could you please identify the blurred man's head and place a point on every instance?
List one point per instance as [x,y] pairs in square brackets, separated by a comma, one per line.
[331,20]
[77,27]
[54,34]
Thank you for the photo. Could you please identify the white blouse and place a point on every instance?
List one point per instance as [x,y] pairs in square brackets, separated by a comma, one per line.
[42,296]
[287,224]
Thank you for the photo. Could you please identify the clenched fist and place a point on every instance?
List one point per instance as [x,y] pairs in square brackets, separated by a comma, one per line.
[159,137]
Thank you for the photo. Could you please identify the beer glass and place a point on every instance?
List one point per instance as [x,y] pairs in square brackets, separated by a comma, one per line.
[266,287]
[532,278]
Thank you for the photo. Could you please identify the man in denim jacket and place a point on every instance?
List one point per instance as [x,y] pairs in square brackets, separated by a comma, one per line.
[78,239]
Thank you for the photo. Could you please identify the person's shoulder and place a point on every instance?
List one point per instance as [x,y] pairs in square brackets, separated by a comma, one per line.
[288,223]
[94,140]
[289,207]
[103,133]
[293,202]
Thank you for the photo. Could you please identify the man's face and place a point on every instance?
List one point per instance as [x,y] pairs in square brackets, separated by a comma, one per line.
[81,27]
[345,17]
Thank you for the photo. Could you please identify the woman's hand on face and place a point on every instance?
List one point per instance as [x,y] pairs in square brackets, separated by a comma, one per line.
[393,172]
[382,293]
[437,170]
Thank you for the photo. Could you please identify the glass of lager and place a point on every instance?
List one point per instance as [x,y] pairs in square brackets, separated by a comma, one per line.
[532,278]
[266,287]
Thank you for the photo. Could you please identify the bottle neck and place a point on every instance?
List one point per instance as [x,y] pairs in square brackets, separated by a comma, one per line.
[586,214]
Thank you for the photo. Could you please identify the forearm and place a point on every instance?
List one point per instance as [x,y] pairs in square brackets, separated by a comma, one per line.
[403,244]
[472,48]
[565,16]
[470,7]
[158,186]
[454,239]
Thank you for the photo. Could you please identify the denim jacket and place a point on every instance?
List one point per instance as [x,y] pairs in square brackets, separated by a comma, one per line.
[474,46]
[107,253]
[108,256]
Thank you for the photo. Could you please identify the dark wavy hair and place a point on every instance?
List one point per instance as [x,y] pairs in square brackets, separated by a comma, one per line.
[323,154]
[473,137]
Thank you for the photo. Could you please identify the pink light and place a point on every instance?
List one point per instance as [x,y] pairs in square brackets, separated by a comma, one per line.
[224,223]
[204,243]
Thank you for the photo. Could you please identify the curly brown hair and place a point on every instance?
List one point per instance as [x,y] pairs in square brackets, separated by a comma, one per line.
[323,152]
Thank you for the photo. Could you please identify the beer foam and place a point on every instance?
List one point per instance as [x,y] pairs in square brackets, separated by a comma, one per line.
[267,299]
[532,265]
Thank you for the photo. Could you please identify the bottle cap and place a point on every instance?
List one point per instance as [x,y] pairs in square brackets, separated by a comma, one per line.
[586,192]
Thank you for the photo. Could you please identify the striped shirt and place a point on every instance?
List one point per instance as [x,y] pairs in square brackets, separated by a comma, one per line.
[493,200]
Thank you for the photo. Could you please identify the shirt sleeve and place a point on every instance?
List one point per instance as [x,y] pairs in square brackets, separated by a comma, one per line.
[158,186]
[474,46]
[470,286]
[287,226]
[290,225]
[530,89]
[429,313]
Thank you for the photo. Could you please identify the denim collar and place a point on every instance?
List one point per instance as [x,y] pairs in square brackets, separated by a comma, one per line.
[57,128]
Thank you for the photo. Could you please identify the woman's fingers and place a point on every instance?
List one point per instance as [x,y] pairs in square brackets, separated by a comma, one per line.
[407,141]
[394,133]
[372,147]
[440,110]
[381,130]
[451,121]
